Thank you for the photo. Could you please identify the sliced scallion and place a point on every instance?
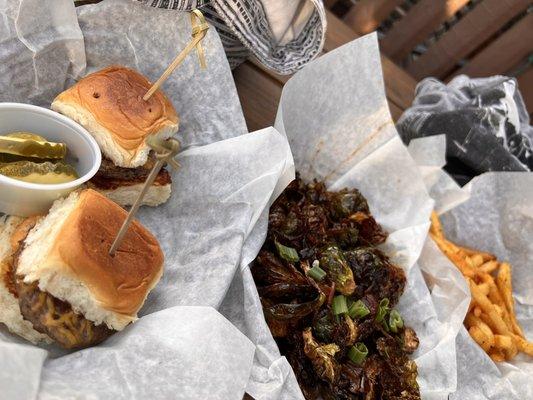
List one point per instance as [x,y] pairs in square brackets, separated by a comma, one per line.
[383,309]
[358,310]
[287,253]
[316,272]
[358,353]
[395,321]
[338,306]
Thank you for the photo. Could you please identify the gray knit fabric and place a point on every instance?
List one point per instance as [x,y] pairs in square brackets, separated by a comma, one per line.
[244,29]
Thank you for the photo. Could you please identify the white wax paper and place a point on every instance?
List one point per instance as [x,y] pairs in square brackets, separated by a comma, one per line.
[494,212]
[41,46]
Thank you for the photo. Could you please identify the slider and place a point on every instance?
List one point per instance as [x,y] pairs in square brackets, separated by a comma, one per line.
[109,105]
[59,284]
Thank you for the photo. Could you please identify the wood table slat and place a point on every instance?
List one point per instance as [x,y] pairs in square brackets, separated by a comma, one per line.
[259,95]
[505,52]
[424,18]
[366,15]
[486,19]
[525,85]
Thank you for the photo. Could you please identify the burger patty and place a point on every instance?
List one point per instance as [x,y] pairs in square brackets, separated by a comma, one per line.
[56,318]
[110,177]
[48,314]
[16,239]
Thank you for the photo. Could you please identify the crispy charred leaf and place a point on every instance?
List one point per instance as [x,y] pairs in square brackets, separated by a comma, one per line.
[287,291]
[324,325]
[322,356]
[345,332]
[346,202]
[398,377]
[285,225]
[349,386]
[345,235]
[279,328]
[373,368]
[315,219]
[268,269]
[290,311]
[333,262]
[370,232]
[410,340]
[375,274]
[293,348]
[342,330]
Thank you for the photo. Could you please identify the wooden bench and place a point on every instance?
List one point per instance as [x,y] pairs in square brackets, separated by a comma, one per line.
[445,38]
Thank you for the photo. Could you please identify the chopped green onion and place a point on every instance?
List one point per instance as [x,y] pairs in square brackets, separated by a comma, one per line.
[395,321]
[358,310]
[287,253]
[383,309]
[358,353]
[338,305]
[316,272]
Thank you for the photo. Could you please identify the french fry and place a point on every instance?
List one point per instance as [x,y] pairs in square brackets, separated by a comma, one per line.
[503,342]
[436,227]
[496,298]
[488,266]
[471,321]
[503,282]
[512,351]
[477,260]
[484,288]
[523,345]
[491,319]
[451,253]
[502,313]
[497,355]
[481,338]
[496,322]
[471,252]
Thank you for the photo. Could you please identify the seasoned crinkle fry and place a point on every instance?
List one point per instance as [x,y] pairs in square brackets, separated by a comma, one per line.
[491,319]
[488,266]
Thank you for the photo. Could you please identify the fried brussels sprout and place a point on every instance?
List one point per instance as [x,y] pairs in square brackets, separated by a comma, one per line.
[328,296]
[338,270]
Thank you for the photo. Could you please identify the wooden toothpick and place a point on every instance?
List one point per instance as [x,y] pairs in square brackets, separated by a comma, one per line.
[199,30]
[165,150]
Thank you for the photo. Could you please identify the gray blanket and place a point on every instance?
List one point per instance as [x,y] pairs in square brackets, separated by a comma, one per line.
[485,121]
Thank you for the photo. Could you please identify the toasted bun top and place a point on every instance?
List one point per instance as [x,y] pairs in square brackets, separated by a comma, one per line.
[119,283]
[114,98]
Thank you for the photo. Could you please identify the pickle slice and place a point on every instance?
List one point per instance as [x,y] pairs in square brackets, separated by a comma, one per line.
[47,172]
[31,145]
[27,135]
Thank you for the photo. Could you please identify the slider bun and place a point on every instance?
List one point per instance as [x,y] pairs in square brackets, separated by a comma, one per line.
[67,253]
[10,314]
[109,104]
[126,195]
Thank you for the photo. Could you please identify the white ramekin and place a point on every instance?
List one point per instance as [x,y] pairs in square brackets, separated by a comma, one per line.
[25,199]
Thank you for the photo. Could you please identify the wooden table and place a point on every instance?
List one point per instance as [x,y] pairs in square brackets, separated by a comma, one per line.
[259,89]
